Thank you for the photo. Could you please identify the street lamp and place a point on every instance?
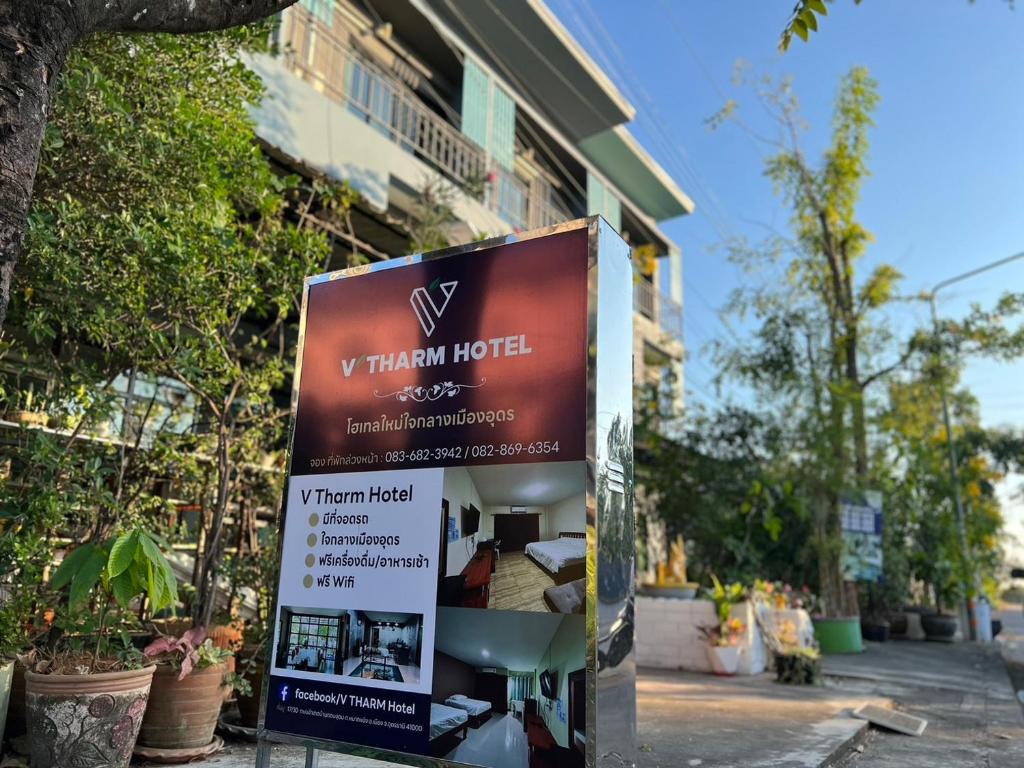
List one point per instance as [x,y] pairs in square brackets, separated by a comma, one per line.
[960,520]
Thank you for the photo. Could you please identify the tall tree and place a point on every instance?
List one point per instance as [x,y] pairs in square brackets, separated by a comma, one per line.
[816,353]
[36,37]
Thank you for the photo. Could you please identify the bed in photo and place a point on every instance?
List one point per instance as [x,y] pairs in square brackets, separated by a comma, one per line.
[518,679]
[448,726]
[514,537]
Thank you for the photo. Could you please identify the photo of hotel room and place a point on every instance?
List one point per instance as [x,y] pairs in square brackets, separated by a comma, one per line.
[514,537]
[509,689]
[372,645]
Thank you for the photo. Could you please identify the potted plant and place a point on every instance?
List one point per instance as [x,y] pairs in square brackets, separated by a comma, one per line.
[723,639]
[938,625]
[251,666]
[23,412]
[798,666]
[874,627]
[253,573]
[795,663]
[188,690]
[86,690]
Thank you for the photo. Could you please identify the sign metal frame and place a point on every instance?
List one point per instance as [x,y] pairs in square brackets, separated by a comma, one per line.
[610,660]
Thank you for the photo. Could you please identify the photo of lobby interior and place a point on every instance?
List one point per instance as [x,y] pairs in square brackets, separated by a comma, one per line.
[514,537]
[374,645]
[509,689]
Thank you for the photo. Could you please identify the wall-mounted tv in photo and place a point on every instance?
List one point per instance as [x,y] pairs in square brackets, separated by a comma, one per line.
[549,684]
[470,520]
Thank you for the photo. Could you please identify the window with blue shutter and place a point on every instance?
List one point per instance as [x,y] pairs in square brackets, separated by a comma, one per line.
[601,201]
[502,139]
[488,114]
[322,10]
[476,88]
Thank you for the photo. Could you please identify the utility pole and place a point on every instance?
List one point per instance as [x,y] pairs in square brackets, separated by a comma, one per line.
[969,582]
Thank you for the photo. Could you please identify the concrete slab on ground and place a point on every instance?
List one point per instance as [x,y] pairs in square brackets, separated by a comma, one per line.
[703,721]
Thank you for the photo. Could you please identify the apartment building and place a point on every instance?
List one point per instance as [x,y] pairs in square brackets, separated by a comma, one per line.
[469,119]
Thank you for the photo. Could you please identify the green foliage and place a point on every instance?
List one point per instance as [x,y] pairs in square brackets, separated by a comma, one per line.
[804,20]
[126,567]
[724,482]
[815,332]
[725,596]
[174,252]
[922,540]
[429,226]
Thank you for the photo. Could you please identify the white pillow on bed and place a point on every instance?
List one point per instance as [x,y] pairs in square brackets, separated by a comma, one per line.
[457,696]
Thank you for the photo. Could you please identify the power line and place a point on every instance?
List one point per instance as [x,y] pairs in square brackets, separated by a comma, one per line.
[673,149]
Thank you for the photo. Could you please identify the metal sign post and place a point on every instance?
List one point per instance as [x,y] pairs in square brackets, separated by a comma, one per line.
[457,532]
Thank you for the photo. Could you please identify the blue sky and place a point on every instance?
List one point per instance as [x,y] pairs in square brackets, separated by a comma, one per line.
[947,156]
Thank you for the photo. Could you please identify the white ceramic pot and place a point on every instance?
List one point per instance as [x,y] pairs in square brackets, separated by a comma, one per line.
[724,659]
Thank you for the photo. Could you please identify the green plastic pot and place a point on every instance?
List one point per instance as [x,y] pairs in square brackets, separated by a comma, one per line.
[838,635]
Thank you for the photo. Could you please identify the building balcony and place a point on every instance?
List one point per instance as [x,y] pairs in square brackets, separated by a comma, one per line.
[313,52]
[662,310]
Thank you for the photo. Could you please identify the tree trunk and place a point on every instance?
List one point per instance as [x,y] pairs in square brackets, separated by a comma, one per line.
[34,44]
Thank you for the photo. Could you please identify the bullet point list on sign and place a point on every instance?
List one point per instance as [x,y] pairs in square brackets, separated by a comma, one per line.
[310,560]
[311,539]
[314,519]
[307,581]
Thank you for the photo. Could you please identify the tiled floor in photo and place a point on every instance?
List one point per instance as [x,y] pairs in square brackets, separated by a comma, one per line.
[518,584]
[498,743]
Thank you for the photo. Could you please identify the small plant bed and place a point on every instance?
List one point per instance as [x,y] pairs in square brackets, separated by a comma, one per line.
[800,666]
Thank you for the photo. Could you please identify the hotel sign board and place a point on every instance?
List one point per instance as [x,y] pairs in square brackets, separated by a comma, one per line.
[461,451]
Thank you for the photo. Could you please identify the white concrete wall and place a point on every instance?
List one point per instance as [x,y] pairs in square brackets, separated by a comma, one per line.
[668,636]
[567,515]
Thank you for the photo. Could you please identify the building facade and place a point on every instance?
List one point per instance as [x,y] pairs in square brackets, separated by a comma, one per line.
[456,120]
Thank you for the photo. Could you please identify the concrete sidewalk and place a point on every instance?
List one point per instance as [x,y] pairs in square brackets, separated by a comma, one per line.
[963,690]
[692,720]
[701,721]
[689,719]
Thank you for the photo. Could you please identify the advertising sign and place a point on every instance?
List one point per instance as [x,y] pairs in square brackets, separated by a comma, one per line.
[862,536]
[433,590]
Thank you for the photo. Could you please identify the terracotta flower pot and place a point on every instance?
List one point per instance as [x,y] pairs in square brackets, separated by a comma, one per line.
[182,714]
[76,720]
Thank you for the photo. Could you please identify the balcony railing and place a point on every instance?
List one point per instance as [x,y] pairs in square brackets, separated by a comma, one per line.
[663,310]
[316,54]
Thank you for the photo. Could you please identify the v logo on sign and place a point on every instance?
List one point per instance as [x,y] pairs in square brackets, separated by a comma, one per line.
[426,309]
